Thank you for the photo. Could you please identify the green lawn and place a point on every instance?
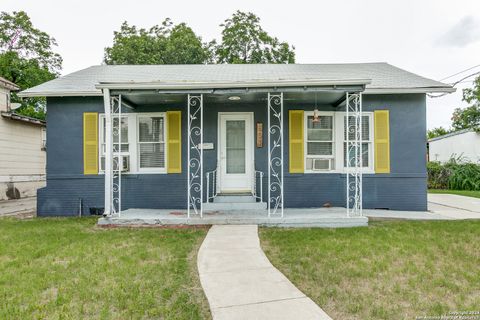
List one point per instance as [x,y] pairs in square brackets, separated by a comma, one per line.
[389,270]
[468,193]
[69,269]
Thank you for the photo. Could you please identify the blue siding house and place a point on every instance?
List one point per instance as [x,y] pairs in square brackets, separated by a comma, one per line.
[211,137]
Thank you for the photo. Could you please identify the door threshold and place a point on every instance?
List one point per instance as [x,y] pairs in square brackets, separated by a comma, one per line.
[236,193]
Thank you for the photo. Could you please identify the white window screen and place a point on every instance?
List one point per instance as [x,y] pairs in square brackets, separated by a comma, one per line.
[366,142]
[151,142]
[320,141]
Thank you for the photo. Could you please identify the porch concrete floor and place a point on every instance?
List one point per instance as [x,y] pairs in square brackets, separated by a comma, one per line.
[318,217]
[439,209]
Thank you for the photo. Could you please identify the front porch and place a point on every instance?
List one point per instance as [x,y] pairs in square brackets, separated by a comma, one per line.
[298,218]
[233,149]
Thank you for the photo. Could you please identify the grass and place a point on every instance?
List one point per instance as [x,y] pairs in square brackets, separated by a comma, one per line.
[66,268]
[389,270]
[467,193]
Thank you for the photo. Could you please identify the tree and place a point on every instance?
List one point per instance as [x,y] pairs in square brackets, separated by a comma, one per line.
[27,58]
[164,44]
[437,132]
[244,41]
[469,117]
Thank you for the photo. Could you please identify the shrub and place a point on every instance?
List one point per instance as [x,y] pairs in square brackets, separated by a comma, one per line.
[437,175]
[454,174]
[464,176]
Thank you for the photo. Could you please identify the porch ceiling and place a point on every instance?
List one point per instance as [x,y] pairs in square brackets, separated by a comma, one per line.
[305,97]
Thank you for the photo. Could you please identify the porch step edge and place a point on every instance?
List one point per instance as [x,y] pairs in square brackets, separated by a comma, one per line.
[234,199]
[214,206]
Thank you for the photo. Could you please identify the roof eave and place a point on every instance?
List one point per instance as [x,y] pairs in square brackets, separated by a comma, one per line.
[36,94]
[224,85]
[409,90]
[22,118]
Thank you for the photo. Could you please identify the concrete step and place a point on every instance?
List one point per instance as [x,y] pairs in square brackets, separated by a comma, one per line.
[248,198]
[218,206]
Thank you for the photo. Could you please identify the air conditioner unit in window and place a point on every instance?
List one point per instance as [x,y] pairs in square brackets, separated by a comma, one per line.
[124,161]
[321,164]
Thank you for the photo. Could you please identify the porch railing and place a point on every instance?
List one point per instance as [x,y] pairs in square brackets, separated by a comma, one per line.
[212,182]
[258,175]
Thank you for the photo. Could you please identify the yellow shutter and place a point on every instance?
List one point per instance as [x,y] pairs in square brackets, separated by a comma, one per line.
[90,143]
[296,153]
[174,142]
[382,141]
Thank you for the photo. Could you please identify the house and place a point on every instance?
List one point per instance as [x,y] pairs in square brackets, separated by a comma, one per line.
[22,150]
[218,137]
[462,144]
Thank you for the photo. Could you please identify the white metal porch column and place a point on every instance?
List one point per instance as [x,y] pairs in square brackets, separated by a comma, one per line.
[275,154]
[195,155]
[354,165]
[113,161]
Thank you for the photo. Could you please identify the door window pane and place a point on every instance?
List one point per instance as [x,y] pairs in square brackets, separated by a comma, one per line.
[235,146]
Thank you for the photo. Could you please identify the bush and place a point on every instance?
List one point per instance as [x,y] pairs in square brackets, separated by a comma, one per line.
[437,175]
[454,174]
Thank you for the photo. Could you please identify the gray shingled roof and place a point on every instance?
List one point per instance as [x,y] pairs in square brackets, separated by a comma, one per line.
[383,77]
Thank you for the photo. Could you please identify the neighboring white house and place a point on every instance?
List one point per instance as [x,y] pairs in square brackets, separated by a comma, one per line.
[464,144]
[22,149]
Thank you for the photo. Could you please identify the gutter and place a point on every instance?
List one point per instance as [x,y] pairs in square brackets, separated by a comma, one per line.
[409,90]
[185,86]
[27,94]
[227,85]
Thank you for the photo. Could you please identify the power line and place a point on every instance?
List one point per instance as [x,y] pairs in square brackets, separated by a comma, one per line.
[453,75]
[466,81]
[453,85]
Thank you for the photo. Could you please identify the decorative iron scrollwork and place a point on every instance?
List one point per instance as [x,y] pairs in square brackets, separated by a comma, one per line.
[116,163]
[195,154]
[275,154]
[354,163]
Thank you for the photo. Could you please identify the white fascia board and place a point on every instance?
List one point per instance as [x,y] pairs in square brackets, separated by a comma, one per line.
[409,90]
[224,85]
[60,94]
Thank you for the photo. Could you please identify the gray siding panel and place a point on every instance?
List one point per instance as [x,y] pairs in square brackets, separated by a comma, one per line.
[403,189]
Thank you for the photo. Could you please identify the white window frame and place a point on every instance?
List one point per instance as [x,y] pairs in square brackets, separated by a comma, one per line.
[133,142]
[330,157]
[338,141]
[137,142]
[341,119]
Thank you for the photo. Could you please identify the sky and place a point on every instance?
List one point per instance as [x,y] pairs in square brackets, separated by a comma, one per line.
[433,38]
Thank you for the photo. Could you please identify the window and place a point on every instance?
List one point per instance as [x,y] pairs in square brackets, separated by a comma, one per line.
[326,146]
[366,141]
[142,145]
[320,143]
[124,145]
[151,142]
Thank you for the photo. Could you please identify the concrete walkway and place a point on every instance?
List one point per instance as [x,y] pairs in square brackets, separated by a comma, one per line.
[23,208]
[454,206]
[241,283]
[440,207]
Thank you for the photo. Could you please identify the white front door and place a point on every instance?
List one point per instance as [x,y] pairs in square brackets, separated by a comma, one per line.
[235,152]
